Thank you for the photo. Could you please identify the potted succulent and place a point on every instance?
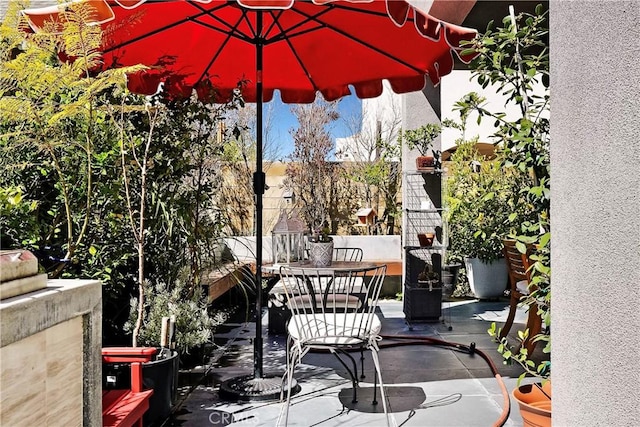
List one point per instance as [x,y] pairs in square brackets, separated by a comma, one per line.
[481,212]
[422,140]
[428,278]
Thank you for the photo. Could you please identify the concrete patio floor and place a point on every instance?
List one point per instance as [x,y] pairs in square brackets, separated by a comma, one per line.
[426,385]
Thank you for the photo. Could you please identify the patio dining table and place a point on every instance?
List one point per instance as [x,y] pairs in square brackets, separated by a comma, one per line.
[278,311]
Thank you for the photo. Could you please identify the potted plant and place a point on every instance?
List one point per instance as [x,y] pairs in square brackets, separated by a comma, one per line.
[320,248]
[481,212]
[428,278]
[422,140]
[166,196]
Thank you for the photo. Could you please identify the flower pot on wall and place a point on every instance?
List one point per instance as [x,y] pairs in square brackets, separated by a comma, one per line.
[320,253]
[534,401]
[487,280]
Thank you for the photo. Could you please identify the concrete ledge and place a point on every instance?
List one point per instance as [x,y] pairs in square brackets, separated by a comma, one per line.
[51,341]
[61,300]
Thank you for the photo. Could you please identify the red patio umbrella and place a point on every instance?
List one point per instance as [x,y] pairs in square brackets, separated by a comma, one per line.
[298,47]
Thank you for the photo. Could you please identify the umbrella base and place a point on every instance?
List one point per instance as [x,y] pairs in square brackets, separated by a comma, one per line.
[250,388]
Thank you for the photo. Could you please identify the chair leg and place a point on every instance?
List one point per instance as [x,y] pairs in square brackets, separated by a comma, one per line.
[513,305]
[391,421]
[291,365]
[375,388]
[362,376]
[353,374]
[534,324]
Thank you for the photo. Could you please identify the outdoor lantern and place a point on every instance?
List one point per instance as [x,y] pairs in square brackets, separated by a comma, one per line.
[287,240]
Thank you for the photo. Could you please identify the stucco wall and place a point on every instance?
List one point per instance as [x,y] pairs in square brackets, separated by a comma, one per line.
[595,161]
[374,248]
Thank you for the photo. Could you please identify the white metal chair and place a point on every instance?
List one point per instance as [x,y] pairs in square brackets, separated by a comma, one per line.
[333,309]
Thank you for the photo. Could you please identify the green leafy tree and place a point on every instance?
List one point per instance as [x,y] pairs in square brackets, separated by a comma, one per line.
[515,58]
[51,121]
[484,204]
[63,126]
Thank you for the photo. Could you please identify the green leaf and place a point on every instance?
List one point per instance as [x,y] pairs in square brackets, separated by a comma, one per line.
[92,250]
[546,237]
[522,248]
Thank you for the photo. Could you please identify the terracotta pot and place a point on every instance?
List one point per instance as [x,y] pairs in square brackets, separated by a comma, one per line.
[425,239]
[425,163]
[535,404]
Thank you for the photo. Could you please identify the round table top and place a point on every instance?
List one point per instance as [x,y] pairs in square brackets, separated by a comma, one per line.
[335,266]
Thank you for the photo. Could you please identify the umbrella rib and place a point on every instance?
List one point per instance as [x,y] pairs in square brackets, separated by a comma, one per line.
[230,28]
[283,33]
[232,31]
[362,42]
[159,30]
[295,53]
[230,34]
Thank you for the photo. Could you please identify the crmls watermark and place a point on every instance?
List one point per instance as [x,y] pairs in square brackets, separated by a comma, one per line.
[222,418]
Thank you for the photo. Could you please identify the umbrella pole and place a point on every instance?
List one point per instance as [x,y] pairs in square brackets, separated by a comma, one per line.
[258,188]
[257,386]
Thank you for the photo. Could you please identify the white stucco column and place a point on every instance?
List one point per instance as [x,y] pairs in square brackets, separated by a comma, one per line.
[595,163]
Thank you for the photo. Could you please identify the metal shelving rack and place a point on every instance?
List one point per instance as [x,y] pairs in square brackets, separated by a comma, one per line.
[423,213]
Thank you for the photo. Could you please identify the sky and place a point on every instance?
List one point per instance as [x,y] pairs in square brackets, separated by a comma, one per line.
[282,120]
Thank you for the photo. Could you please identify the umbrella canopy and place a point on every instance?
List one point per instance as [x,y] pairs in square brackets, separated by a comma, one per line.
[308,46]
[299,48]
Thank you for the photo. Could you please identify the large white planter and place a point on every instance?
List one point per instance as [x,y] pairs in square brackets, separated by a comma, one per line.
[487,280]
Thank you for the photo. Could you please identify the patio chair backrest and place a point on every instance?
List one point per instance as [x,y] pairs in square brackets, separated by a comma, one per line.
[347,254]
[333,305]
[517,263]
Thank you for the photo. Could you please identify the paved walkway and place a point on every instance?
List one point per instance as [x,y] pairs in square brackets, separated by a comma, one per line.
[426,385]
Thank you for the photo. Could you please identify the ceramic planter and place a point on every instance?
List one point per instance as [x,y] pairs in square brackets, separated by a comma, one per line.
[487,280]
[320,253]
[449,279]
[534,401]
